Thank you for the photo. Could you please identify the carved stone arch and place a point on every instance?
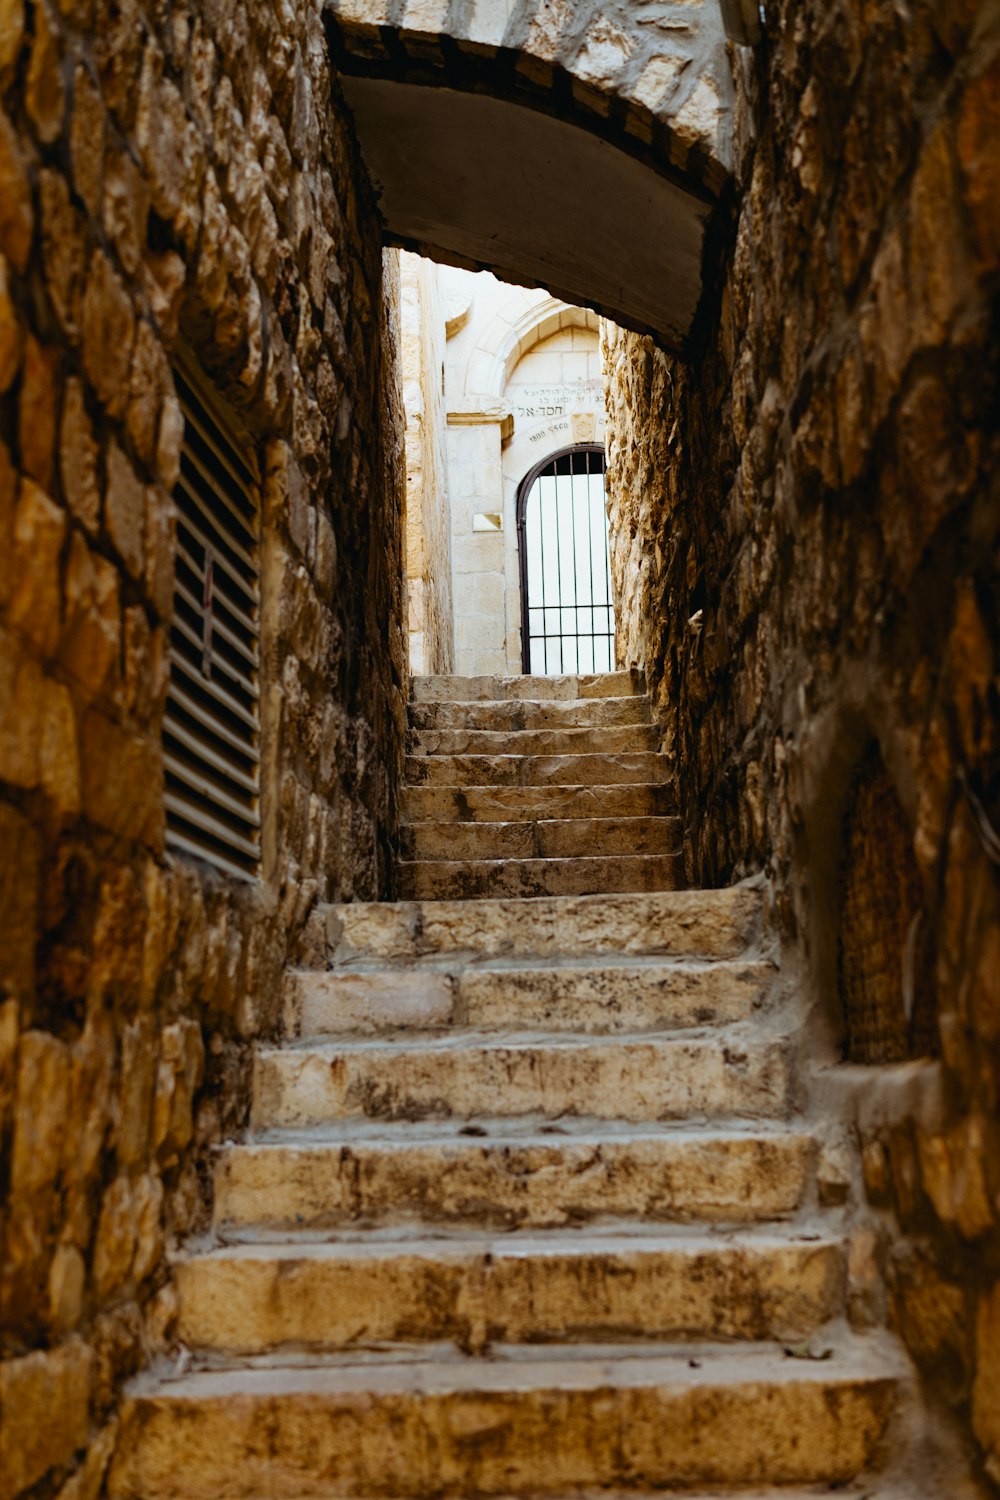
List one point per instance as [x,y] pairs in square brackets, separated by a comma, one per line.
[492,128]
[517,327]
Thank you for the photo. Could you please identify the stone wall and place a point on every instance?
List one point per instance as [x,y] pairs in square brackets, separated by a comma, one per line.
[806,521]
[428,510]
[166,172]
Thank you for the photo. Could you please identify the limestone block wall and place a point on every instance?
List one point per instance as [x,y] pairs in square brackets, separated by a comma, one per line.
[167,173]
[806,525]
[428,509]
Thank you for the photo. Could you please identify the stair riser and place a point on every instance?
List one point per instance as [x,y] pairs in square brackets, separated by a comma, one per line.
[504,804]
[540,689]
[535,770]
[628,739]
[599,1001]
[462,880]
[249,1305]
[609,1079]
[498,1185]
[495,1442]
[714,924]
[515,714]
[556,838]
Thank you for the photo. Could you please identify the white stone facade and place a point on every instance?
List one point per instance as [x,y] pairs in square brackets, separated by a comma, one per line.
[523,381]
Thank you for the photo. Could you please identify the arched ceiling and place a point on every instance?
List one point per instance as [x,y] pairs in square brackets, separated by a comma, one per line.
[567,144]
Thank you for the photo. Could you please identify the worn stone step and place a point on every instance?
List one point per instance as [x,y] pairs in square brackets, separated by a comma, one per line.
[622,739]
[464,1075]
[455,880]
[499,1175]
[536,770]
[491,804]
[448,689]
[549,838]
[609,998]
[523,713]
[508,1289]
[707,924]
[532,1423]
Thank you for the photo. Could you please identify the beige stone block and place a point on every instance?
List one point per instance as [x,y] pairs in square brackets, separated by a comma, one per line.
[44,93]
[86,136]
[78,458]
[36,599]
[37,404]
[489,1425]
[108,331]
[21,692]
[515,1180]
[986,1388]
[114,1246]
[650,1079]
[16,214]
[67,1281]
[488,22]
[91,636]
[11,33]
[64,248]
[44,1403]
[125,510]
[59,751]
[42,1107]
[514,1289]
[11,336]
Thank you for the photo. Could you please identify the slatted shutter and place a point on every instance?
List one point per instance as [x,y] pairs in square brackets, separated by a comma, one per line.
[211,731]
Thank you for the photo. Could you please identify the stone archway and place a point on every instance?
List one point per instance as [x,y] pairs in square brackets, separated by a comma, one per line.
[491,131]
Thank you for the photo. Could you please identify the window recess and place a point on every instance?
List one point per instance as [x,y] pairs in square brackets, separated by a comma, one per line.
[211,728]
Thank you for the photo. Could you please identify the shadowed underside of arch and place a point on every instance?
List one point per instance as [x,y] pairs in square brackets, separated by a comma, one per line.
[578,146]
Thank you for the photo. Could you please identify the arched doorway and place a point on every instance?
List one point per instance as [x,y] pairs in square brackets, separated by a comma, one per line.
[567,614]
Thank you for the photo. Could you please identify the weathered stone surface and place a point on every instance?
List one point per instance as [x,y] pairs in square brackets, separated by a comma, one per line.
[717,924]
[524,713]
[510,1179]
[444,879]
[538,689]
[44,1403]
[511,769]
[791,1427]
[616,997]
[542,839]
[457,1075]
[252,1299]
[569,740]
[492,804]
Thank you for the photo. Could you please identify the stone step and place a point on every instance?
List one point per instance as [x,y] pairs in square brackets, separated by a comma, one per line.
[596,999]
[705,924]
[510,1175]
[536,770]
[509,1289]
[548,838]
[522,713]
[492,804]
[533,1423]
[455,880]
[623,739]
[542,689]
[465,1075]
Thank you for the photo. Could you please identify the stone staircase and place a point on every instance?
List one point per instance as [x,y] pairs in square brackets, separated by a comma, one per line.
[535,786]
[530,1205]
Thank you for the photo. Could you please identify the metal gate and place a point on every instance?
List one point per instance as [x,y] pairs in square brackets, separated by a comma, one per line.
[567,617]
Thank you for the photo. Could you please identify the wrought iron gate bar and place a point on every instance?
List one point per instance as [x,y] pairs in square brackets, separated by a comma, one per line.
[564,643]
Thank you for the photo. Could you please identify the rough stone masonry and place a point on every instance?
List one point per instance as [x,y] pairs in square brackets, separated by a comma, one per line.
[806,544]
[167,173]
